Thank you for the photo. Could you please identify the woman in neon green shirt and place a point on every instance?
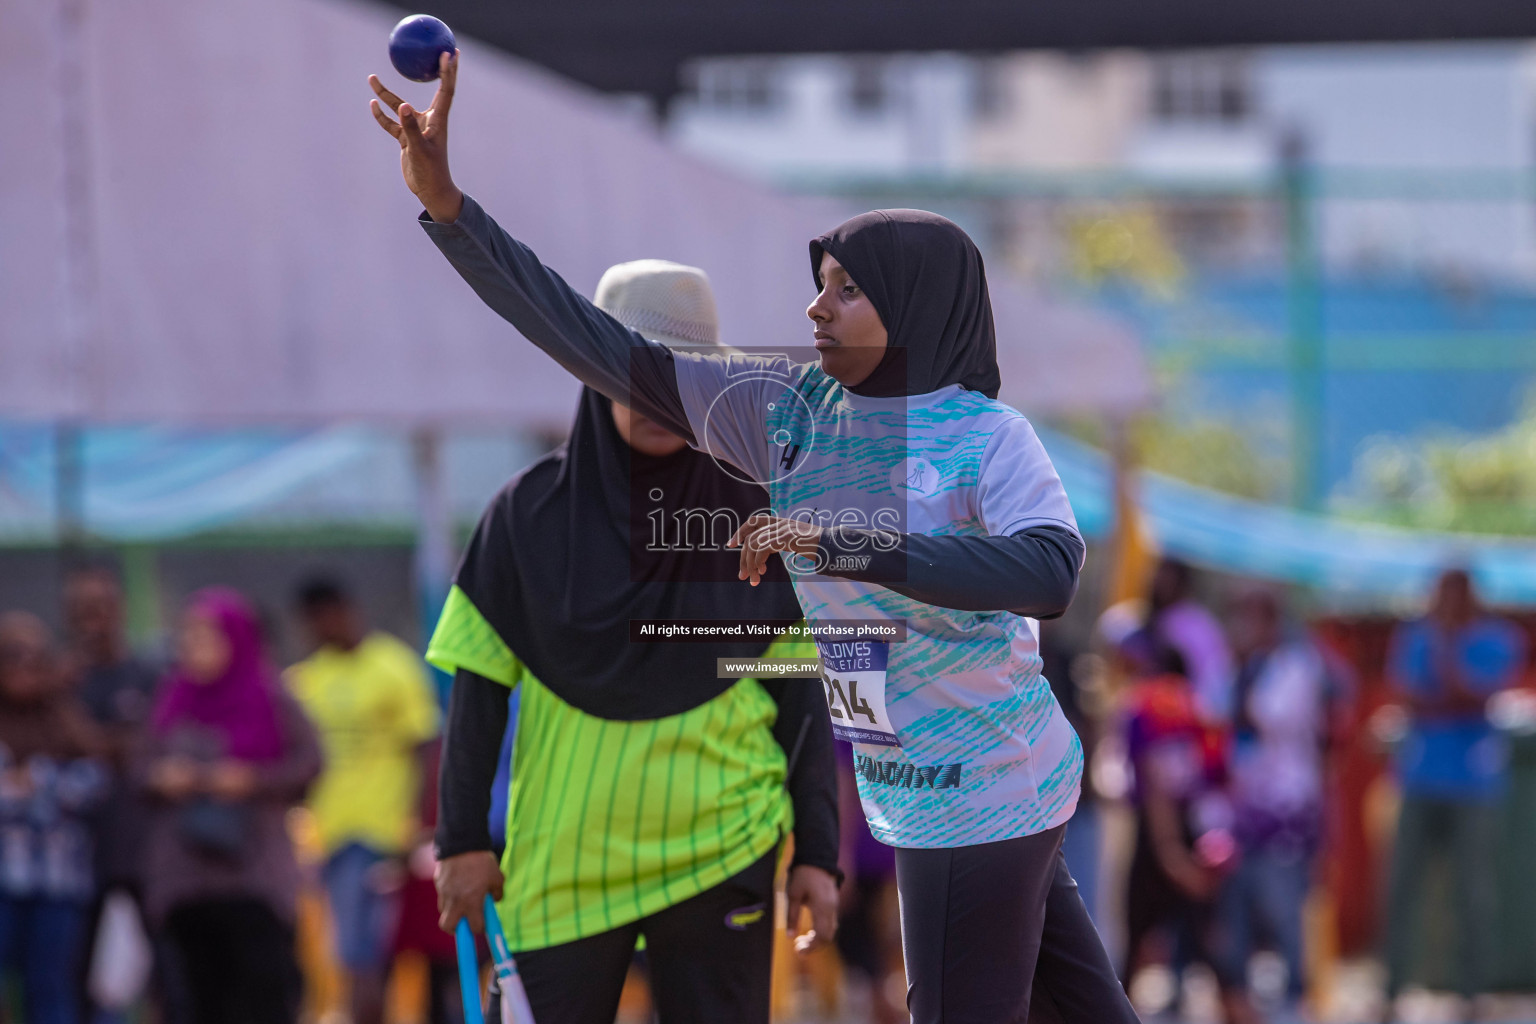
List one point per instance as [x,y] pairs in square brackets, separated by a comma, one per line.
[649,796]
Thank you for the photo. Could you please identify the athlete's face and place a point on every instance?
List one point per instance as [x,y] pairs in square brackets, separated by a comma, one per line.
[849,334]
[645,436]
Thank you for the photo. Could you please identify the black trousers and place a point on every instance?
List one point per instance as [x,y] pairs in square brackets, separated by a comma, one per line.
[710,960]
[1154,903]
[235,959]
[997,934]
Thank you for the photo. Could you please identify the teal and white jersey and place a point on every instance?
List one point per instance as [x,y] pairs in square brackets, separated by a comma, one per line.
[957,737]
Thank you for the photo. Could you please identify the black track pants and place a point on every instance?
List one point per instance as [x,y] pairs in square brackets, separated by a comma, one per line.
[997,934]
[710,960]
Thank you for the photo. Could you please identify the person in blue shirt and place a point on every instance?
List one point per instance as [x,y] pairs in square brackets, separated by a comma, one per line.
[1444,667]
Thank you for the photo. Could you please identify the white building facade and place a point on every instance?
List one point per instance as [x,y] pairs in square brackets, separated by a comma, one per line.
[1426,152]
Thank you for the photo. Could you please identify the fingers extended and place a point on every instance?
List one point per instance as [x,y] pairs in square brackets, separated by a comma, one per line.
[447,80]
[383,118]
[766,535]
[390,99]
[408,123]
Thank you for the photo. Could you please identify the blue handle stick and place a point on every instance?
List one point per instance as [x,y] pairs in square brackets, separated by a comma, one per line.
[501,957]
[514,998]
[469,973]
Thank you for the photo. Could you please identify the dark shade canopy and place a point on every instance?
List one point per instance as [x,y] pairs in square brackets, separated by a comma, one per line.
[638,46]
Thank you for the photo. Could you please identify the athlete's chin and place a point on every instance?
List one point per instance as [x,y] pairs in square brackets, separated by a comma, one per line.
[837,364]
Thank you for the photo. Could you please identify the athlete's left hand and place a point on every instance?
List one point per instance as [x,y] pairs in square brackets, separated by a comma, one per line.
[423,138]
[815,890]
[760,536]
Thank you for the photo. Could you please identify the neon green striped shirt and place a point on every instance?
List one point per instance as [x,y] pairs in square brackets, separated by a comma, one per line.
[611,821]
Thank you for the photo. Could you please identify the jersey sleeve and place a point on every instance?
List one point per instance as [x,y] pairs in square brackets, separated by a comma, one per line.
[1017,487]
[1029,561]
[728,397]
[463,639]
[477,723]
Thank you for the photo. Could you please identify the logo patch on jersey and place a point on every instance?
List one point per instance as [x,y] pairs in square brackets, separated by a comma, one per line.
[739,920]
[907,776]
[915,475]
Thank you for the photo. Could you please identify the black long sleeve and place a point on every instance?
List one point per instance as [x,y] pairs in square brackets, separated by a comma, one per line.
[1033,572]
[477,718]
[803,730]
[598,350]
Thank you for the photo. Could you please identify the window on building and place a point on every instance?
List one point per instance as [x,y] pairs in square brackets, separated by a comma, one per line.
[746,84]
[1212,88]
[991,95]
[868,85]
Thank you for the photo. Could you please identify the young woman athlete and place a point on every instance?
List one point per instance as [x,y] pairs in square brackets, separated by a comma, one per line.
[903,493]
[648,795]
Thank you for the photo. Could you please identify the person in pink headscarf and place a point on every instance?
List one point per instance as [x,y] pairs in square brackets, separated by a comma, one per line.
[228,753]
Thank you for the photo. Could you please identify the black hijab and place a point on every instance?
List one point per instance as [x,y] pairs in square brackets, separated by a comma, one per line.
[925,278]
[562,561]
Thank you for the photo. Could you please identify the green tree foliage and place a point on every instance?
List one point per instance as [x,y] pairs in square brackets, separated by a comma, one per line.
[1203,451]
[1448,481]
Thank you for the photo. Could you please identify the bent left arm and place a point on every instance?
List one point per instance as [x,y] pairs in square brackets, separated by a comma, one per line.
[1028,563]
[1034,572]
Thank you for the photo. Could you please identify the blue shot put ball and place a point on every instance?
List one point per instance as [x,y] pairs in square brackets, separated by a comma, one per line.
[416,43]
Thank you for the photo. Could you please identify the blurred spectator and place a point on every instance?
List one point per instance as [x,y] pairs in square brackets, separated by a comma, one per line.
[1082,840]
[1183,840]
[372,701]
[1444,667]
[419,931]
[1180,621]
[227,755]
[49,781]
[117,690]
[869,925]
[116,687]
[1285,697]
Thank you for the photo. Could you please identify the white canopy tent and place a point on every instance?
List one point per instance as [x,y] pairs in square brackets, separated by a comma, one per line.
[205,226]
[201,225]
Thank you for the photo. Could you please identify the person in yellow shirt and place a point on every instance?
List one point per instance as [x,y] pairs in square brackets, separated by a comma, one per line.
[371,699]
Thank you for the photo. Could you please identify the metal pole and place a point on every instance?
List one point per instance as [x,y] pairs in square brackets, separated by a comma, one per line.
[79,279]
[434,525]
[69,493]
[141,593]
[1304,297]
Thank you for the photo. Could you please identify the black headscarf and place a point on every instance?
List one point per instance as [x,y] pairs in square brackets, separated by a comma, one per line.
[559,565]
[925,278]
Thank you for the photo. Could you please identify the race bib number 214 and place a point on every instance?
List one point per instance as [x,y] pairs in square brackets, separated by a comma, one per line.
[853,675]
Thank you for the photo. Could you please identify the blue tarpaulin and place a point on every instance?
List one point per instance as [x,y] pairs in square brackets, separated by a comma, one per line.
[156,484]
